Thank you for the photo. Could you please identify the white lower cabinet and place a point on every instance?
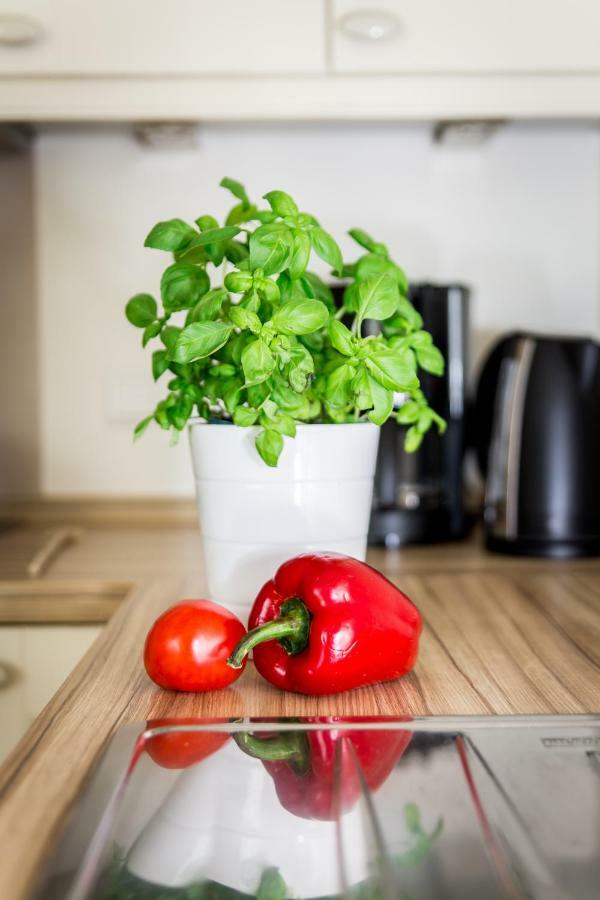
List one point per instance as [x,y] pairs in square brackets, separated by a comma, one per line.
[34,662]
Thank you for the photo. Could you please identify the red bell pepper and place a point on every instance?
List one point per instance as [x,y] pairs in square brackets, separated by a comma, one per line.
[328,623]
[318,774]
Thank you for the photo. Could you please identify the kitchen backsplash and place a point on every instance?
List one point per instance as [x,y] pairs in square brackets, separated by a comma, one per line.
[517,218]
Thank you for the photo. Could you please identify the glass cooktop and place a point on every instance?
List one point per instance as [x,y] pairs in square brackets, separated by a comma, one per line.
[315,808]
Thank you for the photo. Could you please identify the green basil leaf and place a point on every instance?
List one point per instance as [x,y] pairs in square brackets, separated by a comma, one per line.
[361,388]
[258,393]
[320,291]
[341,337]
[174,234]
[235,252]
[294,289]
[237,189]
[408,413]
[425,420]
[244,416]
[281,203]
[223,370]
[196,256]
[290,401]
[214,235]
[377,297]
[150,331]
[216,251]
[160,363]
[361,237]
[383,403]
[257,362]
[241,213]
[244,318]
[408,312]
[280,422]
[271,248]
[394,370]
[169,336]
[231,390]
[412,439]
[300,254]
[302,367]
[141,427]
[337,390]
[209,306]
[205,223]
[326,247]
[265,216]
[201,339]
[141,310]
[238,282]
[420,339]
[401,279]
[268,289]
[371,265]
[430,359]
[269,444]
[351,298]
[301,317]
[182,285]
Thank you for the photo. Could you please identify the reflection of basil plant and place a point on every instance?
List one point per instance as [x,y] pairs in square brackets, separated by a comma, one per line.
[268,346]
[122,885]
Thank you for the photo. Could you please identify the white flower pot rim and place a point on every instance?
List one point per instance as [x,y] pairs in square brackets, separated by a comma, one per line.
[193,422]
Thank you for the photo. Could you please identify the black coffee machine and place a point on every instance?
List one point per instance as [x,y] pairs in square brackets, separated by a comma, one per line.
[418,497]
[537,432]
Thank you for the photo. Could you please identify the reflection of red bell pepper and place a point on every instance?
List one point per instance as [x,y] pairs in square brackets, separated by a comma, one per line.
[318,774]
[327,623]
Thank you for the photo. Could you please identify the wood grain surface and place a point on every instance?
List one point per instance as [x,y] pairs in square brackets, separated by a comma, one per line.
[494,642]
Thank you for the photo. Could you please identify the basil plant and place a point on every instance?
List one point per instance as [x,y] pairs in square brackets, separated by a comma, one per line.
[259,341]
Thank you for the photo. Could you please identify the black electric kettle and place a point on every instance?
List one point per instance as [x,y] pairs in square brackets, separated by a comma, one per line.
[536,427]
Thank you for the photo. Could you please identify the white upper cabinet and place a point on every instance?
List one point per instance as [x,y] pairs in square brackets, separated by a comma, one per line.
[534,37]
[157,37]
[232,60]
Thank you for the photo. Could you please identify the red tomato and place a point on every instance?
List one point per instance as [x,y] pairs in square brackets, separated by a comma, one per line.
[180,749]
[187,647]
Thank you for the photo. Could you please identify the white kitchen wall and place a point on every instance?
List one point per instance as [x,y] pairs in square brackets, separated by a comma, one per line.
[517,218]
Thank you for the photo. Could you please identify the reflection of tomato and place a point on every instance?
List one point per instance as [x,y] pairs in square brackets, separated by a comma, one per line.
[188,646]
[180,749]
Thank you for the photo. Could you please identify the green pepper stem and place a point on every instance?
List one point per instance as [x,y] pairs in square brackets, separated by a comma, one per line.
[287,746]
[291,629]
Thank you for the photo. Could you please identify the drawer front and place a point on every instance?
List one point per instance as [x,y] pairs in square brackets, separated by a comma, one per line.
[455,36]
[147,37]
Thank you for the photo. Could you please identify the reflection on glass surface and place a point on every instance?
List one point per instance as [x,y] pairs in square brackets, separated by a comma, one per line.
[365,810]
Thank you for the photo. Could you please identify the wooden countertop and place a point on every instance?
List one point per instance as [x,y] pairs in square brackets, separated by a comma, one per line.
[501,636]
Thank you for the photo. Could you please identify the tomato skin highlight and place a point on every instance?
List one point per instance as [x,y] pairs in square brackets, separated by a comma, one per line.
[181,749]
[187,647]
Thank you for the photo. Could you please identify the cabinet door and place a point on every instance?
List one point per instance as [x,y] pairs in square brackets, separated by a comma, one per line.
[466,36]
[50,653]
[13,715]
[34,662]
[149,37]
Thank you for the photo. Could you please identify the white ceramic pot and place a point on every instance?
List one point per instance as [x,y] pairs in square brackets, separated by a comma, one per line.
[254,517]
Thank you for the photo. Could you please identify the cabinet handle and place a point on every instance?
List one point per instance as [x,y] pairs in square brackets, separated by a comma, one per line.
[370,25]
[19,31]
[56,543]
